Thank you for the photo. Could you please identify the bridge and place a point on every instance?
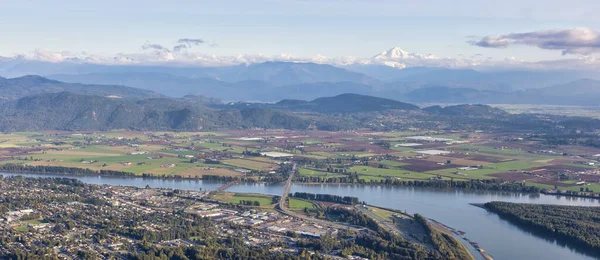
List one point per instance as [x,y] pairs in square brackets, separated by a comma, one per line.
[227,185]
[282,207]
[286,190]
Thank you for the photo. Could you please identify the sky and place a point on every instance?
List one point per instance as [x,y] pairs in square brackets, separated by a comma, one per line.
[327,31]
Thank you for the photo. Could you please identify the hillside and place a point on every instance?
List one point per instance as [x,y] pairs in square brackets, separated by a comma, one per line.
[69,111]
[287,73]
[467,110]
[348,103]
[345,103]
[245,90]
[577,88]
[579,92]
[15,88]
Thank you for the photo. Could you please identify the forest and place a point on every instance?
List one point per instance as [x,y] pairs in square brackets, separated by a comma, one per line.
[576,225]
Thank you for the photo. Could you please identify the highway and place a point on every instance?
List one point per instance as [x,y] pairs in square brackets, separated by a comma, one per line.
[382,222]
[282,207]
[288,187]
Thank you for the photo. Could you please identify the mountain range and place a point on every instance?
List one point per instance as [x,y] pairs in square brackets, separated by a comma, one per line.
[584,92]
[33,85]
[275,81]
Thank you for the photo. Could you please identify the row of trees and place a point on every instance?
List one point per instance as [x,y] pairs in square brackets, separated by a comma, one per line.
[491,185]
[249,203]
[327,197]
[40,169]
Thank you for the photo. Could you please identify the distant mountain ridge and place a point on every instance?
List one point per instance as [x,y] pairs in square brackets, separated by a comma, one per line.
[248,90]
[275,81]
[15,88]
[584,92]
[346,103]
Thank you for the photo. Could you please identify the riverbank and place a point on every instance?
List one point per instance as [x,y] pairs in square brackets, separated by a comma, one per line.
[462,235]
[472,185]
[60,171]
[449,207]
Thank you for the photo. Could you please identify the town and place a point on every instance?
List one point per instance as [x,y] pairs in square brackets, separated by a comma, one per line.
[67,219]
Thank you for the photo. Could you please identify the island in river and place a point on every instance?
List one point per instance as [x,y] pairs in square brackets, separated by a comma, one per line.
[575,225]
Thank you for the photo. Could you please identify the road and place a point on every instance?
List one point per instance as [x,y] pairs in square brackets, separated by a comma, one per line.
[288,187]
[393,229]
[282,207]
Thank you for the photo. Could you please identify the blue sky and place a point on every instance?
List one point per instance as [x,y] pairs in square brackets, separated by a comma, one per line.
[305,28]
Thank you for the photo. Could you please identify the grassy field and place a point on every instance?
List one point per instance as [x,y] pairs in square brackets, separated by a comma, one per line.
[484,172]
[314,173]
[23,226]
[252,164]
[382,213]
[492,150]
[264,200]
[296,204]
[367,173]
[392,163]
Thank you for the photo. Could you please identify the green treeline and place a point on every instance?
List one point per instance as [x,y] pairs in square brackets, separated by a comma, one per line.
[491,185]
[327,198]
[576,224]
[39,169]
[250,203]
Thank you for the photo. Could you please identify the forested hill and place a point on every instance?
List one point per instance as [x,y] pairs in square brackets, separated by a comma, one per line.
[467,110]
[574,224]
[69,111]
[16,88]
[345,103]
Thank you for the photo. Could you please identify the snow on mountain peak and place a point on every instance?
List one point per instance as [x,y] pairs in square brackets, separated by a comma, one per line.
[393,53]
[397,53]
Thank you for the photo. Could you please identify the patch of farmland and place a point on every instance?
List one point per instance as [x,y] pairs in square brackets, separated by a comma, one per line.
[479,157]
[367,172]
[81,153]
[456,160]
[418,165]
[252,165]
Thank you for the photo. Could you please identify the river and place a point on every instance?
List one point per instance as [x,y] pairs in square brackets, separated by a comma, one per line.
[498,237]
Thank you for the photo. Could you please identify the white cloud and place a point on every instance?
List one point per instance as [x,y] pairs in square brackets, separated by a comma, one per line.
[155,54]
[582,40]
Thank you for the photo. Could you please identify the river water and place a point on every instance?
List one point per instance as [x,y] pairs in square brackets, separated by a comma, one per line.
[501,239]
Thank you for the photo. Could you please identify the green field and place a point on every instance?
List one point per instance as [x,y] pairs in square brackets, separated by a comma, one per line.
[315,173]
[368,173]
[486,170]
[492,150]
[263,200]
[382,213]
[392,163]
[296,204]
[257,165]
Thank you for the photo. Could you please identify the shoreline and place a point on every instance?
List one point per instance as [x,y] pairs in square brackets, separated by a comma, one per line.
[227,179]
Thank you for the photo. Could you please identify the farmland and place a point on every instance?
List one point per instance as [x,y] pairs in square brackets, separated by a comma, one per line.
[366,156]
